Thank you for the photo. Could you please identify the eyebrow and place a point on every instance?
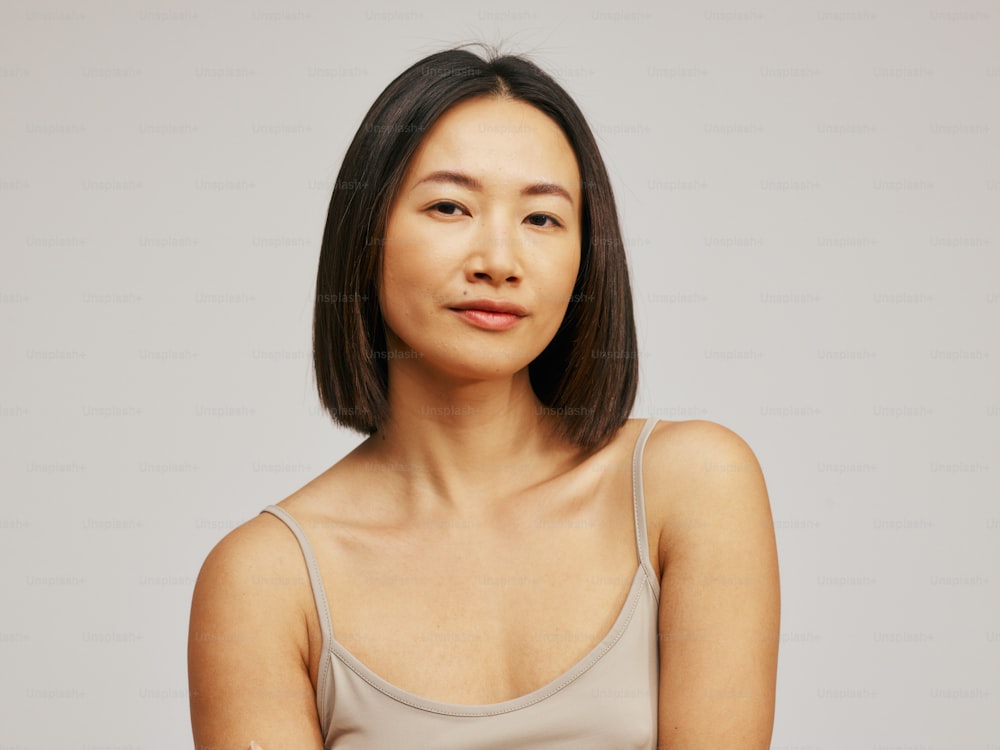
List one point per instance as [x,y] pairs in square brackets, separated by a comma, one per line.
[452,177]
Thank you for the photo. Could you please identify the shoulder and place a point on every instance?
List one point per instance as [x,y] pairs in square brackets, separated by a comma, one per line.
[705,450]
[701,448]
[248,642]
[696,436]
[248,554]
[256,571]
[702,479]
[720,610]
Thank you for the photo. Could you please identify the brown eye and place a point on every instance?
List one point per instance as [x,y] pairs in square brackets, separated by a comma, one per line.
[447,208]
[539,220]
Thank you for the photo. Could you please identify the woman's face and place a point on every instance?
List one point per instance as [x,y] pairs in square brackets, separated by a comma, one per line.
[482,243]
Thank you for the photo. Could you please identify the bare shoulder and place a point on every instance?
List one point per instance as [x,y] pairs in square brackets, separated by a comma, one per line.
[699,473]
[719,619]
[249,561]
[707,441]
[248,643]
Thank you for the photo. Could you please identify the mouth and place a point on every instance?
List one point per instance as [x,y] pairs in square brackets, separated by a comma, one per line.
[492,306]
[490,314]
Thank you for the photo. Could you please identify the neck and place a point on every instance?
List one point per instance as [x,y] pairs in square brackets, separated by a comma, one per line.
[460,445]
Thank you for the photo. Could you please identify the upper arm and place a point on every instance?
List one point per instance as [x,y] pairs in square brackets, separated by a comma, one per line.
[719,617]
[248,669]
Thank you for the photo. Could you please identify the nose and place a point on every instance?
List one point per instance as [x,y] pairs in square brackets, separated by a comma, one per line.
[496,254]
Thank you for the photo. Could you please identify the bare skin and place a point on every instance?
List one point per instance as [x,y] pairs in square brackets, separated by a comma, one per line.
[469,555]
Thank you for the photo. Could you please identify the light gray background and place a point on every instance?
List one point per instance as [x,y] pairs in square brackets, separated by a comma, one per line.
[810,197]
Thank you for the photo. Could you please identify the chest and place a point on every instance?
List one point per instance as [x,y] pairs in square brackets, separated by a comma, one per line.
[460,616]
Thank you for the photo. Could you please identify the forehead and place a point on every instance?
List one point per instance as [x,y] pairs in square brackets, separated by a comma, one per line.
[499,140]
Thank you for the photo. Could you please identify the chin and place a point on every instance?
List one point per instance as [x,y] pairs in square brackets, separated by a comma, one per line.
[476,368]
[466,358]
[485,370]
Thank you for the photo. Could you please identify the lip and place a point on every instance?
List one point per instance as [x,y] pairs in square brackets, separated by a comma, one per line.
[490,314]
[491,305]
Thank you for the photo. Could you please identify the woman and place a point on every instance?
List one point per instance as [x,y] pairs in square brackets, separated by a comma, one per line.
[486,569]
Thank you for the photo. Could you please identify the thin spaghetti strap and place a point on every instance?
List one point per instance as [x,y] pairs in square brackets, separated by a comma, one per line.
[639,504]
[319,593]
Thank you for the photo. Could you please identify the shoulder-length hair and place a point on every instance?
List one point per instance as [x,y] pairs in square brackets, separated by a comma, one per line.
[587,376]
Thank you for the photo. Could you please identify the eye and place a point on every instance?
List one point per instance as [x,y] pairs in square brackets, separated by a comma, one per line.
[446,208]
[538,220]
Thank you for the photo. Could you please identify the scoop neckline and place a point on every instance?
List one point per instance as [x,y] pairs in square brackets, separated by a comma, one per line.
[588,660]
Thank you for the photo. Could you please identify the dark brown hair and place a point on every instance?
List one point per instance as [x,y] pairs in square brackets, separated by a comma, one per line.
[587,376]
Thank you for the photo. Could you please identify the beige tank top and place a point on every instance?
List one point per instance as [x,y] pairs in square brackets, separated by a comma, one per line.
[606,701]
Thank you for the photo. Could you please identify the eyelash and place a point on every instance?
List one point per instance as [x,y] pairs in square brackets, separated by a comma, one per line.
[553,219]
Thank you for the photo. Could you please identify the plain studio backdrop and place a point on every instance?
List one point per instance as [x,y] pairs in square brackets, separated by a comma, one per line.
[810,195]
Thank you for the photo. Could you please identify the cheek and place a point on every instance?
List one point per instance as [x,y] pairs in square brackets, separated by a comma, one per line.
[393,282]
[393,294]
[398,265]
[408,259]
[563,271]
[407,289]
